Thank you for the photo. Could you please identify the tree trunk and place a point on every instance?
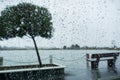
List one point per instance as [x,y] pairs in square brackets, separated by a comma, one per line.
[36,48]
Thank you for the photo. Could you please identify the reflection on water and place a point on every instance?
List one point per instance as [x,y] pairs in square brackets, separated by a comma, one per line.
[74,60]
[97,74]
[114,70]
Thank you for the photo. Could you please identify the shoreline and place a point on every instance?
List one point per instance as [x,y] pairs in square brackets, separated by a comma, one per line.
[57,49]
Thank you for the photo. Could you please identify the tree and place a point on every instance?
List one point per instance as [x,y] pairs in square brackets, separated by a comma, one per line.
[64,47]
[2,31]
[76,46]
[26,19]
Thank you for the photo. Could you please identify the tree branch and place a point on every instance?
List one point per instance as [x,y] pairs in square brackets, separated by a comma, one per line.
[28,36]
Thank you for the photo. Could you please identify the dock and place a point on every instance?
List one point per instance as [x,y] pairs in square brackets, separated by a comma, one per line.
[94,59]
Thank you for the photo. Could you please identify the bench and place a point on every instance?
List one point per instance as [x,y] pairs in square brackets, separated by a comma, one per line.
[95,58]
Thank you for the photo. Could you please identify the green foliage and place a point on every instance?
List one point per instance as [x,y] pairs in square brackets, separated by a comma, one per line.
[27,19]
[2,31]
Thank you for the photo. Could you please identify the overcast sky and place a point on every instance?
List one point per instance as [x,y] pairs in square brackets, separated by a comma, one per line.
[83,22]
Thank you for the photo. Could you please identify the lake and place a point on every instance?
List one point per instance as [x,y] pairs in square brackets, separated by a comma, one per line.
[74,60]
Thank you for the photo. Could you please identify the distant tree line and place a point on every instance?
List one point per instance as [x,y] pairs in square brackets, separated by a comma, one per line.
[77,47]
[73,46]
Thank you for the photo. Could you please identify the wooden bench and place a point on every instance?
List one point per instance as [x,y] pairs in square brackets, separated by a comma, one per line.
[95,58]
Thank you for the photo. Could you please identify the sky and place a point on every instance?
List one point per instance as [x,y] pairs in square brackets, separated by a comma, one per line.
[82,22]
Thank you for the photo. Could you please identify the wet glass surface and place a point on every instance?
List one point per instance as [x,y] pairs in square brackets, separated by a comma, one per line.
[78,24]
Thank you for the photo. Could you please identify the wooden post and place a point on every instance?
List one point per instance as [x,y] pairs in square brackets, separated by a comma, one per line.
[1,61]
[110,63]
[115,58]
[87,57]
[94,64]
[51,59]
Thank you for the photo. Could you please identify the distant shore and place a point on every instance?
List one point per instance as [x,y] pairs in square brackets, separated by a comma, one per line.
[60,49]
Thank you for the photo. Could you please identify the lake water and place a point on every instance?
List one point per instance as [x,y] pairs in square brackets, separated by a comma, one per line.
[74,60]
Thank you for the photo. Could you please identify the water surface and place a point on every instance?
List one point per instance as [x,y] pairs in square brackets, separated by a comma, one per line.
[74,60]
